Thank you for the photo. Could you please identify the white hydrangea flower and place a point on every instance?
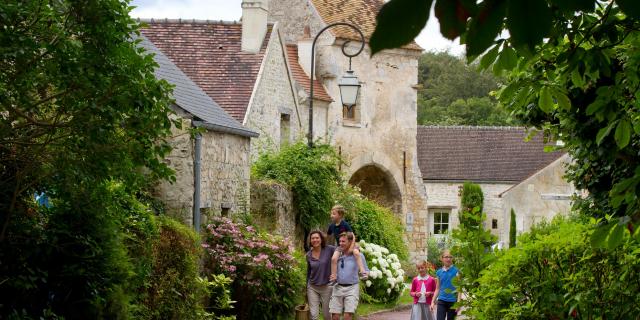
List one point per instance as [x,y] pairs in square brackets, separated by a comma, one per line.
[368,283]
[374,261]
[384,250]
[389,291]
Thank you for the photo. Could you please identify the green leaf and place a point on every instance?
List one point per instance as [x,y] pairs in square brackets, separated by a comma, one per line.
[623,133]
[577,79]
[595,106]
[630,7]
[398,23]
[562,99]
[507,92]
[570,6]
[507,60]
[489,57]
[616,236]
[528,21]
[485,26]
[453,15]
[545,102]
[602,133]
[599,235]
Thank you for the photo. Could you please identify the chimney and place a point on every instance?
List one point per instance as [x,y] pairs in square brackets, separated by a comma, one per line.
[304,51]
[254,24]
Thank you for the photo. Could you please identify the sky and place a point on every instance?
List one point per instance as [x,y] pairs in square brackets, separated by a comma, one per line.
[230,10]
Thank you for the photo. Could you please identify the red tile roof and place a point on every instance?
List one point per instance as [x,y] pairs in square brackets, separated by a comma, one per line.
[301,77]
[361,13]
[497,154]
[209,54]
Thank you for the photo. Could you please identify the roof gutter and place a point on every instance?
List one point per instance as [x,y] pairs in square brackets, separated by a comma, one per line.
[225,129]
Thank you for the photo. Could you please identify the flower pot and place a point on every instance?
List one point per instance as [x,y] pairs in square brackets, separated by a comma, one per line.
[302,312]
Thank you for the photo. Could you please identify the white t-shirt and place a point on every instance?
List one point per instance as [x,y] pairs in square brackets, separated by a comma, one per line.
[423,290]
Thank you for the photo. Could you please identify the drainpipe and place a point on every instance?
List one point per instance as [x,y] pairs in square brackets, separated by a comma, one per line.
[196,182]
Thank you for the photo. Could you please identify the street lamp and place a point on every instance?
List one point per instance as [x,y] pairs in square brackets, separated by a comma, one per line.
[348,84]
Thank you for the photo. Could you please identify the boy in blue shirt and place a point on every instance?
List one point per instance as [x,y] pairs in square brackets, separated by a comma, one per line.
[338,227]
[446,293]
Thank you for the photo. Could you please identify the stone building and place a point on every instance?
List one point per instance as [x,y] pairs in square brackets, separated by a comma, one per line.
[243,67]
[539,197]
[212,167]
[378,136]
[512,172]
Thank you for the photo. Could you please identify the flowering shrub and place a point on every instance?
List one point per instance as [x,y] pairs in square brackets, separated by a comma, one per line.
[386,277]
[266,276]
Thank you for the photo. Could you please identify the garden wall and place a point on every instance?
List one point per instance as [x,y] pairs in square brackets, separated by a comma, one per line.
[272,209]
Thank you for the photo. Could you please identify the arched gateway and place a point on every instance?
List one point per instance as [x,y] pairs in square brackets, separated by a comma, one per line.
[377,183]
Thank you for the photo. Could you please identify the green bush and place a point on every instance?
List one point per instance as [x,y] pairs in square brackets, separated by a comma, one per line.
[554,273]
[472,197]
[376,224]
[173,288]
[70,260]
[267,279]
[472,253]
[512,229]
[312,174]
[386,276]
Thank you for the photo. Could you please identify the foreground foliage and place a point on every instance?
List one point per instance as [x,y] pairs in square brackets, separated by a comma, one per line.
[554,273]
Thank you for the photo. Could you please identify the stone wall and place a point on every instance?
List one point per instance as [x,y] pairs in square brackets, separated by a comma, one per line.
[272,209]
[274,95]
[540,197]
[224,174]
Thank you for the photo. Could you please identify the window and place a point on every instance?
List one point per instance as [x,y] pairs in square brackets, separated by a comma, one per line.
[494,224]
[349,113]
[285,129]
[441,221]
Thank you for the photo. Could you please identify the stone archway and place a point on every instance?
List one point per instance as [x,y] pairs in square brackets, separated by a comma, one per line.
[377,184]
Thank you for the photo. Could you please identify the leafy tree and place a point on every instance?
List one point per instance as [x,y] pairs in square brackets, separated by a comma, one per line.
[455,93]
[573,72]
[82,120]
[512,229]
[79,104]
[471,199]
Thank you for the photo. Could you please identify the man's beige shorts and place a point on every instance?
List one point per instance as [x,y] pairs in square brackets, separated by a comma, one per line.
[344,299]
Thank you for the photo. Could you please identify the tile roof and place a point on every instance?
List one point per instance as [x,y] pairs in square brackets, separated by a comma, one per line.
[209,53]
[301,77]
[191,98]
[480,153]
[361,13]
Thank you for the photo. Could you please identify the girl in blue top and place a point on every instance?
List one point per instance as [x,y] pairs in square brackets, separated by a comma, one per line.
[446,292]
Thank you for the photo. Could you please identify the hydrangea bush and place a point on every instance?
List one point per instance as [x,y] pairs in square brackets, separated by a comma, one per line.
[386,276]
[267,278]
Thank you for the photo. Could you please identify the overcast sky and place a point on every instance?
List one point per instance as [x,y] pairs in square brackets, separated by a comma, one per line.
[229,10]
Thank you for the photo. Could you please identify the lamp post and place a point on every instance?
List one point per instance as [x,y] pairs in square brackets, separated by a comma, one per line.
[348,83]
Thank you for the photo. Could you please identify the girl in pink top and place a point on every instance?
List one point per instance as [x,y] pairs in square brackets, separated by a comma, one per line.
[422,288]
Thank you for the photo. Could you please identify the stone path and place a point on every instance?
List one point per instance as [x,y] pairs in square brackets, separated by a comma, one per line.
[400,313]
[390,315]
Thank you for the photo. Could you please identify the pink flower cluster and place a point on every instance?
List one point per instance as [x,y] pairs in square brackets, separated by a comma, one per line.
[236,249]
